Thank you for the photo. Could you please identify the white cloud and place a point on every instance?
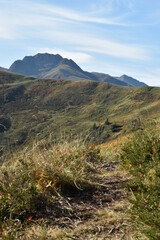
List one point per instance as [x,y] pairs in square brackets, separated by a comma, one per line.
[6,30]
[115,49]
[5,33]
[92,44]
[149,78]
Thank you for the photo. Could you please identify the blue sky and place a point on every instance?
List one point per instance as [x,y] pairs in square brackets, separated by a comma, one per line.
[111,36]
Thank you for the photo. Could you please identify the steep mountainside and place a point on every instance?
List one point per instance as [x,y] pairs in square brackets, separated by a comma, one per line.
[65,71]
[37,65]
[37,108]
[54,66]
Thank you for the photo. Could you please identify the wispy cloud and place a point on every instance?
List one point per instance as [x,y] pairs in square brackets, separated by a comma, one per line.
[114,49]
[92,44]
[79,16]
[27,12]
[50,22]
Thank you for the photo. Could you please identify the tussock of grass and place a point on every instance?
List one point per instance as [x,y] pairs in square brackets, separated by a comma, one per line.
[141,157]
[43,233]
[34,180]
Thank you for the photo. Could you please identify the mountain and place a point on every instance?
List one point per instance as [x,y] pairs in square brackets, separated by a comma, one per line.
[44,65]
[131,81]
[36,66]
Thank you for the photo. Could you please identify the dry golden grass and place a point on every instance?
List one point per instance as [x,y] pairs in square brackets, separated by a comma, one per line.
[72,164]
[37,232]
[34,180]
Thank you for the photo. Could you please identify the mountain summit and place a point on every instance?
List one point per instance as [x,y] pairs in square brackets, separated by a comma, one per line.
[45,65]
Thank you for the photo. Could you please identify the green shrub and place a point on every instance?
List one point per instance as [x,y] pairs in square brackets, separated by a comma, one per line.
[107,122]
[141,156]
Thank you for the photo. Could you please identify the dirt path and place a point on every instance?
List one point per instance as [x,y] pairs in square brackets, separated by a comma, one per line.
[101,213]
[94,214]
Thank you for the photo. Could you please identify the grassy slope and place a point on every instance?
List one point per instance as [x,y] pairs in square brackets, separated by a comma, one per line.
[38,108]
[49,106]
[76,194]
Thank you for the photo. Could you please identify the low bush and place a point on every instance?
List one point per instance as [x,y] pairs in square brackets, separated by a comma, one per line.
[116,127]
[141,157]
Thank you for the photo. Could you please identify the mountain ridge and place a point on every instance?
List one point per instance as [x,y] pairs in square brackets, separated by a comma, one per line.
[45,65]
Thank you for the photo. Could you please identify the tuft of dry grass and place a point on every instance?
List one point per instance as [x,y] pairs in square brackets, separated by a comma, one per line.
[34,180]
[141,158]
[38,232]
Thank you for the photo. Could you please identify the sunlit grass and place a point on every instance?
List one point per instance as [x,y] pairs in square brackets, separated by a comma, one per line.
[34,179]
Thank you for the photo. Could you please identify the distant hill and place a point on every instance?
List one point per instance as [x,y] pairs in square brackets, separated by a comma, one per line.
[3,69]
[8,78]
[46,65]
[131,81]
[102,77]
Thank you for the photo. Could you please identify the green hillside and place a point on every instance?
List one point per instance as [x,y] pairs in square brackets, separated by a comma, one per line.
[38,108]
[63,187]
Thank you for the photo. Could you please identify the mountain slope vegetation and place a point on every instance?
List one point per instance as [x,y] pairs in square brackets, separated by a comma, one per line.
[39,107]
